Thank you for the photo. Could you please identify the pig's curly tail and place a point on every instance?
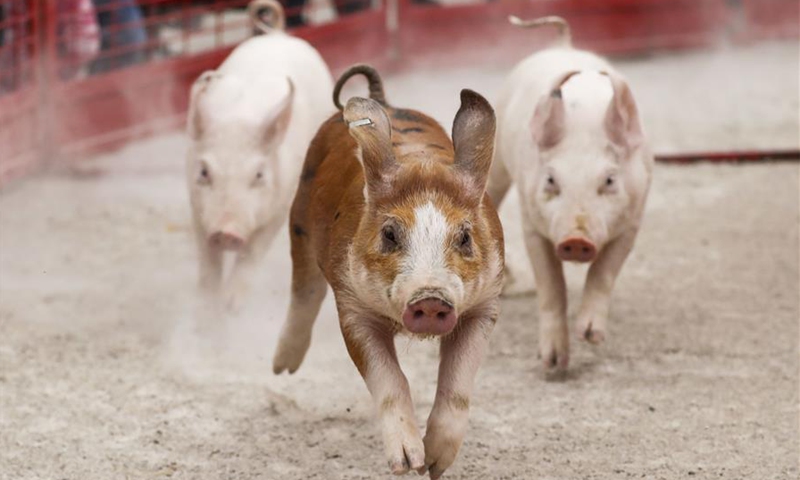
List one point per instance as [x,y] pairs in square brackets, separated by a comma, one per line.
[565,33]
[267,15]
[373,78]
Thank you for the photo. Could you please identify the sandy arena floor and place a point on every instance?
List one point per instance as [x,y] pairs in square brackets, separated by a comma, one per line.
[103,376]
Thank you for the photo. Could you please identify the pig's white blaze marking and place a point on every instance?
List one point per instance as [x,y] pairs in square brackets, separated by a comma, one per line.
[426,243]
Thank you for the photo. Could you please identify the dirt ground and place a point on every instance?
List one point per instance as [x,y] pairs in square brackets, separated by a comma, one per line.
[104,373]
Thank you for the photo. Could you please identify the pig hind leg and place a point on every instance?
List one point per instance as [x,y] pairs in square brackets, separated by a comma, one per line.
[497,187]
[308,291]
[499,181]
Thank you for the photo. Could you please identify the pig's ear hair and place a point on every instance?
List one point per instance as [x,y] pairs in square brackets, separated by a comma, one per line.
[548,122]
[277,121]
[622,123]
[473,140]
[369,125]
[195,122]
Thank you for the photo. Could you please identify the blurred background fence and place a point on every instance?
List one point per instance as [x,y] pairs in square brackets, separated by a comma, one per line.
[82,76]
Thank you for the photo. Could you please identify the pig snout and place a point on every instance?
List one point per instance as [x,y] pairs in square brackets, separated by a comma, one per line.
[576,250]
[430,315]
[226,240]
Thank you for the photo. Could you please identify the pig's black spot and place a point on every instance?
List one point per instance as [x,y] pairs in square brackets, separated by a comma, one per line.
[433,145]
[298,230]
[406,115]
[556,93]
[308,174]
[409,130]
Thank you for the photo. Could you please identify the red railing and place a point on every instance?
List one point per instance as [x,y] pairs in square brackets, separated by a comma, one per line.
[20,135]
[60,99]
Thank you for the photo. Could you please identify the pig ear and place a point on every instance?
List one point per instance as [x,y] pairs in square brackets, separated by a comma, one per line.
[370,127]
[195,121]
[548,122]
[622,117]
[473,140]
[277,121]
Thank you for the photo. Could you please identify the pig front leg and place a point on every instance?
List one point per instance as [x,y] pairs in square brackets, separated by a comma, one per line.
[247,261]
[462,353]
[552,293]
[370,342]
[209,262]
[593,314]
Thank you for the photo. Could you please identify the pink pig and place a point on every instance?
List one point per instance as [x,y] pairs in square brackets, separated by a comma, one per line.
[569,134]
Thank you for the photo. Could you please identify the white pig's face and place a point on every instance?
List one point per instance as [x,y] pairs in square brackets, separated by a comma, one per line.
[589,174]
[232,158]
[231,189]
[582,194]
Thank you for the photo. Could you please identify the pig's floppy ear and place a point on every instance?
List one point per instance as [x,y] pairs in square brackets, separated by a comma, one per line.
[548,122]
[473,140]
[195,121]
[622,123]
[277,121]
[370,127]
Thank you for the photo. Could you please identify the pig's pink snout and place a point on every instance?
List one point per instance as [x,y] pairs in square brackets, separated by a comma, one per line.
[576,250]
[430,316]
[226,240]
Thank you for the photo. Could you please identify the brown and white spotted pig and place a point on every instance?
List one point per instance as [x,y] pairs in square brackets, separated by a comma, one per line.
[393,216]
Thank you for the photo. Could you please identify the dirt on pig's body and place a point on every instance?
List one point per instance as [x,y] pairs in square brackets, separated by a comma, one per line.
[110,367]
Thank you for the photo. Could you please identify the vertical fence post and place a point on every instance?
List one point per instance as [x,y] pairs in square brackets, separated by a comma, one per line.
[46,37]
[392,9]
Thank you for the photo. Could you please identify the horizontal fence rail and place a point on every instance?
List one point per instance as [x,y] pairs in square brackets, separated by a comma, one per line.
[83,76]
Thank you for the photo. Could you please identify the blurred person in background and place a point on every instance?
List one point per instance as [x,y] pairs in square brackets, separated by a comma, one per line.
[79,32]
[12,51]
[123,33]
[315,12]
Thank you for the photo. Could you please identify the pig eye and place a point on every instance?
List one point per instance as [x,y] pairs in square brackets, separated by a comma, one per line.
[389,239]
[204,178]
[465,242]
[609,185]
[259,179]
[550,186]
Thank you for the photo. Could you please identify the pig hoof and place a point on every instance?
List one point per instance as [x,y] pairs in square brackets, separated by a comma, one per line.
[555,362]
[441,450]
[592,335]
[289,356]
[410,455]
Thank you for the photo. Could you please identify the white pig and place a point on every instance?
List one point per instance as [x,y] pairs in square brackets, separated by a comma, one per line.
[569,135]
[250,123]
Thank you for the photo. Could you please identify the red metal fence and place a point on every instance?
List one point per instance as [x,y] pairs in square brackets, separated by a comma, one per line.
[19,85]
[65,93]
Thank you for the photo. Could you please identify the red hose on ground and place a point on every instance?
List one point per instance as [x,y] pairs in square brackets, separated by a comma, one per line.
[734,156]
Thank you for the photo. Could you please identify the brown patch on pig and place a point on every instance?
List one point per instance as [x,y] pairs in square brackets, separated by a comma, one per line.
[388,403]
[459,402]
